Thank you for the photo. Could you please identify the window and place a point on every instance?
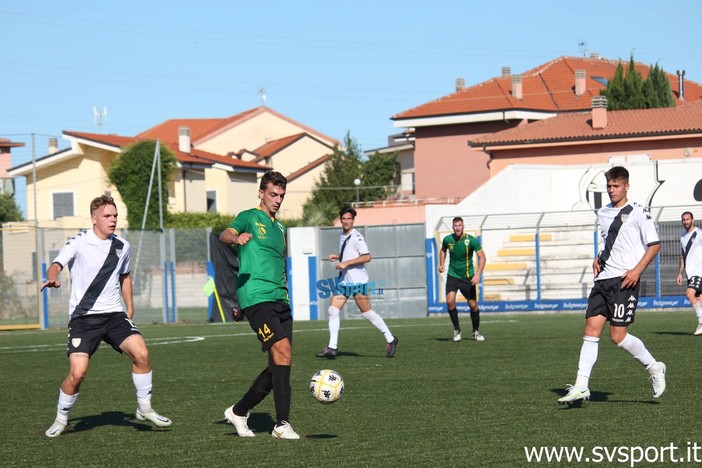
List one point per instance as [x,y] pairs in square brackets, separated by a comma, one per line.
[211,201]
[63,205]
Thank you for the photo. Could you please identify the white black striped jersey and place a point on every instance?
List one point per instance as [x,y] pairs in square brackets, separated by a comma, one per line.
[95,267]
[693,261]
[355,247]
[629,242]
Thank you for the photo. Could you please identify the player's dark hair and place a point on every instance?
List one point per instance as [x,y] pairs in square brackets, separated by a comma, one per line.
[457,218]
[273,177]
[687,213]
[99,202]
[617,173]
[347,209]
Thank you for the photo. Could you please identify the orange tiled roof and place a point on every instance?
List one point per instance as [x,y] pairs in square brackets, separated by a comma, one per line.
[194,157]
[5,143]
[683,119]
[199,128]
[308,167]
[547,88]
[273,146]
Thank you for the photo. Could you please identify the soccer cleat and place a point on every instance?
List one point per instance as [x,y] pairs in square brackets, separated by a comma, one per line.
[284,431]
[658,381]
[477,336]
[457,335]
[327,352]
[392,347]
[698,332]
[239,422]
[56,428]
[154,417]
[574,394]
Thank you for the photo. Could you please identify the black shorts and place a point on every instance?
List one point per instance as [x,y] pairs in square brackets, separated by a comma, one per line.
[609,299]
[85,332]
[271,321]
[464,285]
[695,283]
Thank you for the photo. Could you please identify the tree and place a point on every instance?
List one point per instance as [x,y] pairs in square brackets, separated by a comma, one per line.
[335,185]
[381,174]
[9,211]
[131,172]
[630,91]
[661,95]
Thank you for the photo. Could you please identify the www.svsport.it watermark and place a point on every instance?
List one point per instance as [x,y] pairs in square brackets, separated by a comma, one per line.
[333,287]
[633,455]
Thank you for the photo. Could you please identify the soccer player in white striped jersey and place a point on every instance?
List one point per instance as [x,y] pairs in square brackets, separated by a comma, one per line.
[691,264]
[98,260]
[629,242]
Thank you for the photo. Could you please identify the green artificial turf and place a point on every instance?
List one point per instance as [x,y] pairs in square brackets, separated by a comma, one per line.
[437,403]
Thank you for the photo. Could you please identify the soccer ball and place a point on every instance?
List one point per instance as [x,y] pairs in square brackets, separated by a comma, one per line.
[326,386]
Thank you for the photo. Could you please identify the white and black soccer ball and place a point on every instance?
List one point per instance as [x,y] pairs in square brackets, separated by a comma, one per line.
[326,386]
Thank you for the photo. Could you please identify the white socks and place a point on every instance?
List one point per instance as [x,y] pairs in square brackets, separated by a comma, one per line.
[143,384]
[588,357]
[334,326]
[636,348]
[698,310]
[379,323]
[65,405]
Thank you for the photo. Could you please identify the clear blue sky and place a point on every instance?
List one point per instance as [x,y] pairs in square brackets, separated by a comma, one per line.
[337,66]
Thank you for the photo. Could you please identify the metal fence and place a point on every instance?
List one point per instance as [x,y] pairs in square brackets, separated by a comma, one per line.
[545,259]
[168,270]
[534,261]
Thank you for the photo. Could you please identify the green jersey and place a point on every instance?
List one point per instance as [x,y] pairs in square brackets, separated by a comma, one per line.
[262,275]
[461,254]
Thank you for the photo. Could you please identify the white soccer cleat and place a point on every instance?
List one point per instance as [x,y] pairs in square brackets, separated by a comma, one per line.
[658,381]
[574,394]
[239,422]
[698,332]
[457,335]
[154,417]
[477,336]
[284,431]
[56,428]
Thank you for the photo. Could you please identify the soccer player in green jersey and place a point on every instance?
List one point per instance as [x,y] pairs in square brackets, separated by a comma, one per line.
[462,275]
[263,297]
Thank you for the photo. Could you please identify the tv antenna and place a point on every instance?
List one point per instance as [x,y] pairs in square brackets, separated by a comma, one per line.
[262,92]
[582,46]
[100,116]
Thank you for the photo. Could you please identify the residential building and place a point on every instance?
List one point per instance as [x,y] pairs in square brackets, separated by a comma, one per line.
[219,164]
[6,146]
[446,168]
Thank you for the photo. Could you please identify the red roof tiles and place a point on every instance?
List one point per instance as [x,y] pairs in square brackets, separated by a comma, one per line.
[683,119]
[547,88]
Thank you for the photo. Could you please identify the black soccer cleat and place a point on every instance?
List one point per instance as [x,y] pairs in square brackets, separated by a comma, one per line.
[327,352]
[392,347]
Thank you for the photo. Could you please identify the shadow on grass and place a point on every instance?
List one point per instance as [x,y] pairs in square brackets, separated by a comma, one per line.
[263,423]
[108,418]
[599,397]
[673,333]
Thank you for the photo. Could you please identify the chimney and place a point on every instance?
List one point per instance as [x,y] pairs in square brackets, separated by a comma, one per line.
[599,112]
[681,84]
[53,145]
[506,72]
[460,84]
[595,56]
[517,86]
[184,139]
[579,82]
